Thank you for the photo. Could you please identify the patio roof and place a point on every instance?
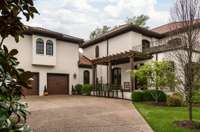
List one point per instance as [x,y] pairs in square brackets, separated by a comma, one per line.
[121,58]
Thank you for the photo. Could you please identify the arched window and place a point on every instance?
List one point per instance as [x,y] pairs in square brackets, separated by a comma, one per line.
[145,44]
[86,77]
[39,46]
[97,51]
[49,47]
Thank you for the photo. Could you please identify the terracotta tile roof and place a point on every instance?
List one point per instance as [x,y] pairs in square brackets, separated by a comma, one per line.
[171,27]
[48,33]
[85,62]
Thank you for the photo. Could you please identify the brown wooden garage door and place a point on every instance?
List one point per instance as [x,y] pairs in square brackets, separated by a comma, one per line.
[57,84]
[35,86]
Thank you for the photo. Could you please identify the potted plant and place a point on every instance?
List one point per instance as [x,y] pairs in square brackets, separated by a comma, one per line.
[45,91]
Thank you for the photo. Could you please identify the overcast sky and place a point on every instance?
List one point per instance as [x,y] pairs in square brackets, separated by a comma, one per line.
[80,17]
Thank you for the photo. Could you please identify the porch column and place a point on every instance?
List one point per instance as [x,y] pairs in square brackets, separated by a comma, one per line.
[110,74]
[131,77]
[94,76]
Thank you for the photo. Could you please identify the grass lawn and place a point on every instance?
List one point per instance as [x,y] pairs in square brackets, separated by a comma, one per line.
[161,118]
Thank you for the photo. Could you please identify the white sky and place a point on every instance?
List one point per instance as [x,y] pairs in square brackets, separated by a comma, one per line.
[80,17]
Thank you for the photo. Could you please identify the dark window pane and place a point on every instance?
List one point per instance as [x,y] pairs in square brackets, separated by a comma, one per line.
[86,76]
[145,44]
[39,46]
[49,47]
[97,51]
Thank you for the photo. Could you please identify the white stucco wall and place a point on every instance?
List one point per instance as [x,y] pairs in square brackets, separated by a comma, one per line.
[67,57]
[121,43]
[81,76]
[43,59]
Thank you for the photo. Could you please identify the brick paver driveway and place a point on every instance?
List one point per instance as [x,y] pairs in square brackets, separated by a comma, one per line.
[84,114]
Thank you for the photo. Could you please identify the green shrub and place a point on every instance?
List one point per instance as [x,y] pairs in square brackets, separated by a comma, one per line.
[78,88]
[174,100]
[137,96]
[162,97]
[147,96]
[86,89]
[151,95]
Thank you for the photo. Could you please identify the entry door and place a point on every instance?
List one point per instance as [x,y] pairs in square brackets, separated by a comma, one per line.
[116,76]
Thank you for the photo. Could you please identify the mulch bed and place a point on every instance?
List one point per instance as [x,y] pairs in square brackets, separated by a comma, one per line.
[188,124]
[156,104]
[196,105]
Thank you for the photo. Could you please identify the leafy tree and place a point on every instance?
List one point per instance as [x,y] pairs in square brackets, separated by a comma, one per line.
[13,113]
[159,74]
[138,20]
[99,31]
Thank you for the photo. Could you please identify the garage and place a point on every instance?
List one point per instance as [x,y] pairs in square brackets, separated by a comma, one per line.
[35,86]
[57,84]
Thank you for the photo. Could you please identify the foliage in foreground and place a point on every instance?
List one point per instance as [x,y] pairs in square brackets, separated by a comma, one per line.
[13,113]
[159,75]
[162,119]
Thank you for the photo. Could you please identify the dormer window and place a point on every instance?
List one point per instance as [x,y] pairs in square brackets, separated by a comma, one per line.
[97,51]
[39,46]
[49,47]
[145,44]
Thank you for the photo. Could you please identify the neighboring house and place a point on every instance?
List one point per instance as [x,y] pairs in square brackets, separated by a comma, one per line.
[118,51]
[51,56]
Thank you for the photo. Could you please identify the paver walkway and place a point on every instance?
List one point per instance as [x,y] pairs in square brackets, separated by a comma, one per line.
[84,114]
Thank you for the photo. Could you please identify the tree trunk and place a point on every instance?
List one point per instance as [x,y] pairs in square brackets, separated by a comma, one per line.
[190,105]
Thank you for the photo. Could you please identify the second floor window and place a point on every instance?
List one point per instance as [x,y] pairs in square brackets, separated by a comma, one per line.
[39,46]
[49,47]
[97,51]
[145,44]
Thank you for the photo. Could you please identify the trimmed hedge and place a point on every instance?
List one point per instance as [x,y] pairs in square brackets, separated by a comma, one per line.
[137,96]
[148,95]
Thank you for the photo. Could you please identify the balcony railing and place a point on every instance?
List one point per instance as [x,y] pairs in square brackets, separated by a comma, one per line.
[160,46]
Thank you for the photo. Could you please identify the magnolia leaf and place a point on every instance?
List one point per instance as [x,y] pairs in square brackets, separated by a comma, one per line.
[13,52]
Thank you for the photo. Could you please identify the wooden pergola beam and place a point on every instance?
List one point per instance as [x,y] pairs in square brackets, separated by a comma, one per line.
[121,56]
[131,76]
[94,76]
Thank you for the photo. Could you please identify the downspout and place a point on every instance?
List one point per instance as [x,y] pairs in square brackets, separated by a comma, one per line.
[107,42]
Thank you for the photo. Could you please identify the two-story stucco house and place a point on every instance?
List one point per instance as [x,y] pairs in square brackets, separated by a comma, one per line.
[122,49]
[51,56]
[55,60]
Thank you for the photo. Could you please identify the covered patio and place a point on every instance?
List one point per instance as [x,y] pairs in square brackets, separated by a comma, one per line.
[114,88]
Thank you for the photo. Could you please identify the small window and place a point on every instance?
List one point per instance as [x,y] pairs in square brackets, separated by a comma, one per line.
[174,42]
[49,47]
[97,51]
[145,44]
[39,46]
[86,76]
